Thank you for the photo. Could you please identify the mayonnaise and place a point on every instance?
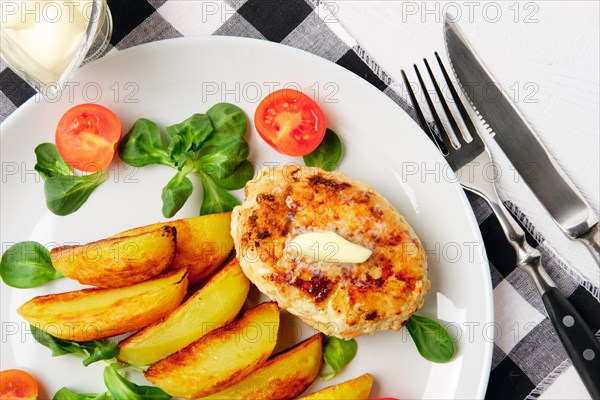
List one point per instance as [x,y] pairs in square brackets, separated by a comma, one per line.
[42,37]
[327,247]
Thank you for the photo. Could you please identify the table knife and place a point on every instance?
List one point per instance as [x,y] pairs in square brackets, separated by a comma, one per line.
[521,144]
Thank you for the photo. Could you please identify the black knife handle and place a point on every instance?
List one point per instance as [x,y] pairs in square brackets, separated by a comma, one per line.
[592,240]
[578,339]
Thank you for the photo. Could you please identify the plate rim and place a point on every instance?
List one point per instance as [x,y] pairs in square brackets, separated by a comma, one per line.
[473,225]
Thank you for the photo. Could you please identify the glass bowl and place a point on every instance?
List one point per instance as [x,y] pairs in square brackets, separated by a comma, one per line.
[45,41]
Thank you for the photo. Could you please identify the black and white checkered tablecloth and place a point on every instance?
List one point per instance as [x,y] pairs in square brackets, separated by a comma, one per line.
[524,364]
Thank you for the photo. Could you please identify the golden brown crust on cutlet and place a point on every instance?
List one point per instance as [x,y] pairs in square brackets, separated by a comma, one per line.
[340,298]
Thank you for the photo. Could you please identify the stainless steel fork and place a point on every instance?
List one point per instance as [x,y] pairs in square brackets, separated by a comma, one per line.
[471,160]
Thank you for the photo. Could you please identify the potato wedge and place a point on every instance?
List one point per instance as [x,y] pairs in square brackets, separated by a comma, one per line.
[220,359]
[118,262]
[91,314]
[216,304]
[203,243]
[354,389]
[285,376]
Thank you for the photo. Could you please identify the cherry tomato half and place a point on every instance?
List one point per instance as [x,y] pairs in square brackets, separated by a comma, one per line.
[17,384]
[87,136]
[291,122]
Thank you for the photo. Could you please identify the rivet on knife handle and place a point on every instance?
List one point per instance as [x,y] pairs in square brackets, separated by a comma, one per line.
[580,343]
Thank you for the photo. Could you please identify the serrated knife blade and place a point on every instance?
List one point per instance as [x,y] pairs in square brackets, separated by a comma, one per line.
[520,143]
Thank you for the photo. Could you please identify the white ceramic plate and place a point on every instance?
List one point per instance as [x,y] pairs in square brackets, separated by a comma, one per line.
[167,82]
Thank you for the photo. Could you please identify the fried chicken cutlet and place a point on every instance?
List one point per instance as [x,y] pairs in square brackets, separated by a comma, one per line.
[340,299]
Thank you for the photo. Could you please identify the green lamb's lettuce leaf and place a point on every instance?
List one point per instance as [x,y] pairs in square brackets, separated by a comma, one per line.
[143,145]
[189,134]
[27,265]
[210,145]
[99,350]
[175,194]
[216,199]
[337,353]
[90,351]
[227,120]
[66,394]
[238,179]
[65,194]
[49,162]
[328,154]
[121,388]
[225,158]
[431,339]
[118,387]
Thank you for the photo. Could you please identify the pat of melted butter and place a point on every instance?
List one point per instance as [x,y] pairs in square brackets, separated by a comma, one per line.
[327,247]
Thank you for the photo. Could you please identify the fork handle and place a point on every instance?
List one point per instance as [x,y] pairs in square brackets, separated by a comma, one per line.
[577,338]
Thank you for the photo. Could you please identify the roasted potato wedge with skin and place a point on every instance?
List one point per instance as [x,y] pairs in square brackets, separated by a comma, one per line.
[91,314]
[285,376]
[220,359]
[203,243]
[118,262]
[216,304]
[354,389]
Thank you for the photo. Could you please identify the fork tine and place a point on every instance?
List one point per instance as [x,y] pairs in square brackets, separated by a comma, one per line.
[421,117]
[413,99]
[453,123]
[445,137]
[457,100]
